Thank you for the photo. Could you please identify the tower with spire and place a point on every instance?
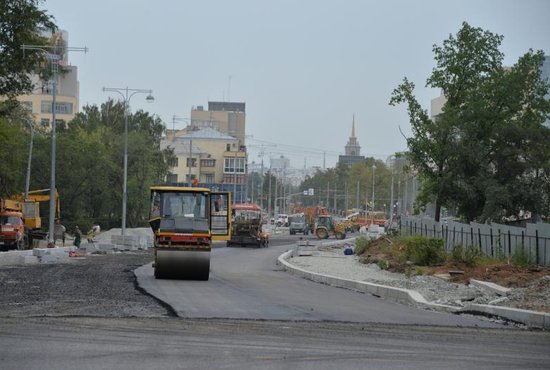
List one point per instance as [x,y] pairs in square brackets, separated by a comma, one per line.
[352,149]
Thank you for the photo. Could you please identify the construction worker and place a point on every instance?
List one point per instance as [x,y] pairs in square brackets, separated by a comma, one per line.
[59,231]
[77,237]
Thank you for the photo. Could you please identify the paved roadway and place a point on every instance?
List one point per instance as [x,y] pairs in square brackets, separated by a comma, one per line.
[246,283]
[364,332]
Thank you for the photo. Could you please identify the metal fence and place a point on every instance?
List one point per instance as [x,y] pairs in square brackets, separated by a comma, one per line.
[495,240]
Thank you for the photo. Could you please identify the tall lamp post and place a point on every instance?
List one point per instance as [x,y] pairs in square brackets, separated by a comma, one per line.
[127,94]
[53,54]
[373,168]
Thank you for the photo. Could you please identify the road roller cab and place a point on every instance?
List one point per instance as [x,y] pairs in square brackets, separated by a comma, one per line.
[185,221]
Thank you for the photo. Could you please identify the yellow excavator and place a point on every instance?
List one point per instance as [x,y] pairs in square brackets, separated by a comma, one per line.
[185,220]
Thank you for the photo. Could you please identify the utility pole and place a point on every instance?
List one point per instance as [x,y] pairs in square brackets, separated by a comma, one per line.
[190,162]
[357,196]
[54,55]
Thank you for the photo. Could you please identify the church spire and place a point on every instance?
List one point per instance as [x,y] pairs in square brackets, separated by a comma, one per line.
[353,126]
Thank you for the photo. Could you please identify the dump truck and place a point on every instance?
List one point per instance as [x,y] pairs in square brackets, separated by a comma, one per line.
[247,226]
[185,221]
[12,228]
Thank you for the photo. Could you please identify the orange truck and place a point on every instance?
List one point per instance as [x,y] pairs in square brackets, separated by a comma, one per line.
[12,228]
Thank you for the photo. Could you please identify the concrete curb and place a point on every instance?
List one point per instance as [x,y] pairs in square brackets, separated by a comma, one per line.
[532,319]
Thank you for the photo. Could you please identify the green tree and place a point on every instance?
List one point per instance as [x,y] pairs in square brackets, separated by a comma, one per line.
[21,22]
[14,142]
[473,155]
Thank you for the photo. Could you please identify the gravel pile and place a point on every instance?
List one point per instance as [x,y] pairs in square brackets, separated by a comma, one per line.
[96,285]
[332,261]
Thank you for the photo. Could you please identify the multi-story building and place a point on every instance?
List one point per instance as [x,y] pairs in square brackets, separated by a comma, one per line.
[352,149]
[211,149]
[226,117]
[39,101]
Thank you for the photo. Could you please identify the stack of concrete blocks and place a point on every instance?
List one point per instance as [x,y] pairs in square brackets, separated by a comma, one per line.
[124,243]
[46,255]
[145,242]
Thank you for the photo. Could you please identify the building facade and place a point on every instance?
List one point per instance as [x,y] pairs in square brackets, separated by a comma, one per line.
[211,149]
[67,90]
[352,149]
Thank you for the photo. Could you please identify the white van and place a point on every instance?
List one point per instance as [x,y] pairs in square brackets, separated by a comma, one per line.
[282,219]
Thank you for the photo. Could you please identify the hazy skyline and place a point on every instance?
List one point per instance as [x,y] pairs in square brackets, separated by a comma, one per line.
[304,68]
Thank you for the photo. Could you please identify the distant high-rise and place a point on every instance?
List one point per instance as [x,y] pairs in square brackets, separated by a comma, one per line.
[352,149]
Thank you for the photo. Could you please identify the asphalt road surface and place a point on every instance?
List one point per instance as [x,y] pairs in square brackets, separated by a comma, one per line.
[246,283]
[170,343]
[88,314]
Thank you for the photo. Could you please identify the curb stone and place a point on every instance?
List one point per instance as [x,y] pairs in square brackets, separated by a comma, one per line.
[532,319]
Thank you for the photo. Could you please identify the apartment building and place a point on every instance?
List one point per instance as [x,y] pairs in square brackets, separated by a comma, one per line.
[211,149]
[67,89]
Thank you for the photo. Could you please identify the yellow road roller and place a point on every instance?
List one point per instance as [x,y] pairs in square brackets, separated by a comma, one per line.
[185,220]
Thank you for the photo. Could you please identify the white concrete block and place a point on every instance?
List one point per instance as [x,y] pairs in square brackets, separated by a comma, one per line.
[49,258]
[39,252]
[23,259]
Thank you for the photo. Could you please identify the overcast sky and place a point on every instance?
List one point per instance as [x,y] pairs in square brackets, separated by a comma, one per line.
[303,68]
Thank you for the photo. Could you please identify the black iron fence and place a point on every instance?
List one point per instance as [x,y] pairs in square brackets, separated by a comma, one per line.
[495,240]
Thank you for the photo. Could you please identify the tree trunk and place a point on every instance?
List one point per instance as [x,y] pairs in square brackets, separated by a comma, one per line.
[437,210]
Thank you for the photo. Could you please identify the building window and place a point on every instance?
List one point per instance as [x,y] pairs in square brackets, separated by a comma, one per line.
[207,178]
[227,147]
[208,162]
[176,162]
[191,162]
[234,165]
[45,122]
[60,107]
[172,178]
[189,178]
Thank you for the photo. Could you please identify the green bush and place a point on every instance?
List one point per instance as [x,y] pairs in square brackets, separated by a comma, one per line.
[470,256]
[521,257]
[361,245]
[424,251]
[457,254]
[384,264]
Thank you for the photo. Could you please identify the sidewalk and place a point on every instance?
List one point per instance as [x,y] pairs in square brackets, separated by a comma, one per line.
[327,264]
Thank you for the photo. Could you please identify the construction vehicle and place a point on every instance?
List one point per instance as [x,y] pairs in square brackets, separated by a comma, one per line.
[247,226]
[31,213]
[12,229]
[325,227]
[311,214]
[185,220]
[362,218]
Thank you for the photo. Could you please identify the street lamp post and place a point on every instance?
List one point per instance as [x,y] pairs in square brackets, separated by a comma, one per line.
[127,94]
[53,54]
[373,168]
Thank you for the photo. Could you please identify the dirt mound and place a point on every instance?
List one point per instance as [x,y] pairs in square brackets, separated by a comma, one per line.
[503,273]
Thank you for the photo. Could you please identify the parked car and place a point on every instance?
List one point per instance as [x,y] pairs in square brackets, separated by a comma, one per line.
[282,220]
